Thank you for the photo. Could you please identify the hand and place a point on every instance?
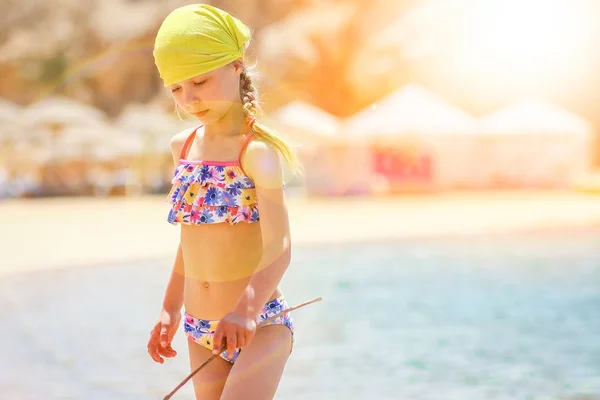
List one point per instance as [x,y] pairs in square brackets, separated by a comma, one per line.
[162,334]
[235,330]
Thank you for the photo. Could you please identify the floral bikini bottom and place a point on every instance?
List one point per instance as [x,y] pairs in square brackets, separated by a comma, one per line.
[202,331]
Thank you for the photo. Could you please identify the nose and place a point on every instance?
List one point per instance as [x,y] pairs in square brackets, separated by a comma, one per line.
[190,98]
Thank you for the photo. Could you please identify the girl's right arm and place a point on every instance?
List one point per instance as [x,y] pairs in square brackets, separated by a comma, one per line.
[169,317]
[173,300]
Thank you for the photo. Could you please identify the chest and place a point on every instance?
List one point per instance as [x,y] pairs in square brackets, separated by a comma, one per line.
[215,150]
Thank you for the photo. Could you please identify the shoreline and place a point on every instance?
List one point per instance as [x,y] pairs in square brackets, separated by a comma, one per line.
[57,233]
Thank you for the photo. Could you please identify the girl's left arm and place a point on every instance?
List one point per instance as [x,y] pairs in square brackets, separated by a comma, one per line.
[264,166]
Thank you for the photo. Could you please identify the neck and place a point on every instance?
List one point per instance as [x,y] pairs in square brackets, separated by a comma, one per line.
[231,124]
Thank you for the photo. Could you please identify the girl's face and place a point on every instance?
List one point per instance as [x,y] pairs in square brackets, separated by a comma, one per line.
[210,96]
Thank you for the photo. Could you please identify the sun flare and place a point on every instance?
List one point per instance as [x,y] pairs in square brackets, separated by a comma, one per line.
[525,38]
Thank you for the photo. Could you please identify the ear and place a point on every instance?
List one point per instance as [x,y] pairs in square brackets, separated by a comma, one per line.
[238,66]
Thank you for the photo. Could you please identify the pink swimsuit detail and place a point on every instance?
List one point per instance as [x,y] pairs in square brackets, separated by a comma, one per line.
[212,192]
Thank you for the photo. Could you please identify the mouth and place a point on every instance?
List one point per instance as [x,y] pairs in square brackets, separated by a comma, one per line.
[201,113]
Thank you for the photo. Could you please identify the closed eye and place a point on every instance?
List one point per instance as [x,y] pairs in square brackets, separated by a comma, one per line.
[200,83]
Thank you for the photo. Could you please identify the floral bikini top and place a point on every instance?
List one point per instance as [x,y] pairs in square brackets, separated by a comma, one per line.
[211,192]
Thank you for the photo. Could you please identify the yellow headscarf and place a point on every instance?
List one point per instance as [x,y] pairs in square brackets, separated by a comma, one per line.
[196,39]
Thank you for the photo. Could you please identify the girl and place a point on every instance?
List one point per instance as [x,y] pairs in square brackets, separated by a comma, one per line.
[228,196]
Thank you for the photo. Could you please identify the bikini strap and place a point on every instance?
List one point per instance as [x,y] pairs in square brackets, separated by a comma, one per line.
[245,143]
[187,143]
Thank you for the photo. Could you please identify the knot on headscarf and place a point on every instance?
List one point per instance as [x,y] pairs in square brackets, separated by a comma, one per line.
[196,39]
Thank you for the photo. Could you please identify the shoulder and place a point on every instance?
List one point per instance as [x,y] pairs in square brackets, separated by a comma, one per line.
[263,163]
[261,152]
[179,138]
[177,142]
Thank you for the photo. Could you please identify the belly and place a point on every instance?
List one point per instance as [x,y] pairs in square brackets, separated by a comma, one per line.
[221,252]
[219,260]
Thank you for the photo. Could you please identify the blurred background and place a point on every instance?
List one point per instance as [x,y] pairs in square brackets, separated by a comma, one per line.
[452,165]
[456,94]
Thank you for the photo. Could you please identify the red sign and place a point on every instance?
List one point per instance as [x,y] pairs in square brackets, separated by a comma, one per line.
[401,165]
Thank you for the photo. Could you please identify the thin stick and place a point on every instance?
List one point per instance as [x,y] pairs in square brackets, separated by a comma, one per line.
[279,314]
[224,347]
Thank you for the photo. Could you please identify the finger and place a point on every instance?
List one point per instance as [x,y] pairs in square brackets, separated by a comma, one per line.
[164,335]
[168,351]
[154,353]
[151,340]
[217,340]
[153,349]
[241,339]
[169,347]
[231,342]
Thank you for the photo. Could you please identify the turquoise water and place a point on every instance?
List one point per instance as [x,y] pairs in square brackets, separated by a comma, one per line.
[491,318]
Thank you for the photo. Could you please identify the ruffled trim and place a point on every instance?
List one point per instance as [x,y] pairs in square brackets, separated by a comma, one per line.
[186,214]
[196,195]
[208,194]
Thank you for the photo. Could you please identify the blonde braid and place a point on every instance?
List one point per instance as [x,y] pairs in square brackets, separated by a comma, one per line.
[249,96]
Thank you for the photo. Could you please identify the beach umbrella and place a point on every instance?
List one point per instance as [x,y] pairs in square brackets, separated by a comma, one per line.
[418,139]
[80,142]
[533,142]
[307,118]
[412,109]
[534,116]
[121,143]
[62,111]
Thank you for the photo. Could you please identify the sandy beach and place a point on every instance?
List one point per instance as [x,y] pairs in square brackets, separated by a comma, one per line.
[40,234]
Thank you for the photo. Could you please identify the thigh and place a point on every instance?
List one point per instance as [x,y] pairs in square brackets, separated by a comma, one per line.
[210,380]
[259,366]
